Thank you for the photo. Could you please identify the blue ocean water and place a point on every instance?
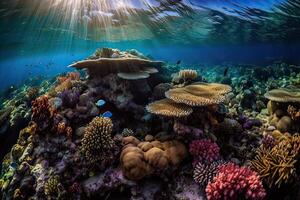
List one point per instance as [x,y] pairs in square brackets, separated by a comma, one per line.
[43,38]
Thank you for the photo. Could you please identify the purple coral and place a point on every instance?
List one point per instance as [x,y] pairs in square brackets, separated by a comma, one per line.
[268,141]
[204,150]
[70,98]
[183,130]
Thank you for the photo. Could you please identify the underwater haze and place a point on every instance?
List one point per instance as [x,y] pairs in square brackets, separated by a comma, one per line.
[150,99]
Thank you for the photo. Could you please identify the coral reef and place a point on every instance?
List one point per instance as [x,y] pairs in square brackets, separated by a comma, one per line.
[69,150]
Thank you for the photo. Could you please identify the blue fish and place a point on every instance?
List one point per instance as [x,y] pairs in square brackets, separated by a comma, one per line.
[107,114]
[100,103]
[13,165]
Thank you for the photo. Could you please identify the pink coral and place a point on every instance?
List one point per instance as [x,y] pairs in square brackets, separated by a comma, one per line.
[204,150]
[233,181]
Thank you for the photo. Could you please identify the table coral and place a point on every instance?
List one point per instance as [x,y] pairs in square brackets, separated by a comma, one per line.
[233,182]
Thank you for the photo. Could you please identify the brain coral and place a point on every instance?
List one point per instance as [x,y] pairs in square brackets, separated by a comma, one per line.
[169,108]
[97,143]
[199,94]
[140,159]
[234,182]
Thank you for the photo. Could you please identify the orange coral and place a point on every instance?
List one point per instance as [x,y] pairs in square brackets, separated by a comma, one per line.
[66,82]
[294,113]
[62,128]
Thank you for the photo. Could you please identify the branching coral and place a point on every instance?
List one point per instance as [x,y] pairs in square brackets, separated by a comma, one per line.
[277,165]
[97,143]
[294,113]
[140,159]
[42,112]
[234,182]
[199,94]
[204,173]
[66,82]
[204,151]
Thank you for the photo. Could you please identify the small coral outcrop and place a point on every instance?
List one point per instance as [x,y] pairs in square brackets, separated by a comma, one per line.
[204,173]
[140,159]
[234,182]
[97,143]
[204,151]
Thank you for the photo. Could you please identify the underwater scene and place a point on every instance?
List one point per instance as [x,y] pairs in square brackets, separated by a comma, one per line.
[150,99]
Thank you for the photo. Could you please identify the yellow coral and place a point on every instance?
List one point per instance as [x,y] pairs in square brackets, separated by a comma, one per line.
[51,186]
[169,108]
[277,165]
[97,142]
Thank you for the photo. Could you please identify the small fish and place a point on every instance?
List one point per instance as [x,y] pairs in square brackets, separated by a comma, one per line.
[178,62]
[13,165]
[100,103]
[107,114]
[225,71]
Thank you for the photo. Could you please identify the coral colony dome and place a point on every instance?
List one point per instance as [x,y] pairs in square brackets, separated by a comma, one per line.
[150,99]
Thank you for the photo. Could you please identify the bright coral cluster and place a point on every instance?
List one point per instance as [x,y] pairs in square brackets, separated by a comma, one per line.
[233,182]
[65,82]
[42,112]
[204,150]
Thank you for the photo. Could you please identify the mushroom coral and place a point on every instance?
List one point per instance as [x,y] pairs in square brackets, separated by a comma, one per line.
[199,94]
[140,159]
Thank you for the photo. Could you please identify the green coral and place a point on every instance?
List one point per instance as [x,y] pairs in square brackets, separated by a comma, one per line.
[97,142]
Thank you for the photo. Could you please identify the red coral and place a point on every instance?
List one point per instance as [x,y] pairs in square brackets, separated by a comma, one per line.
[42,112]
[233,181]
[204,151]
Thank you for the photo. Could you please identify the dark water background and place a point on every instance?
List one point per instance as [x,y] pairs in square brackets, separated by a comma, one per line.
[43,37]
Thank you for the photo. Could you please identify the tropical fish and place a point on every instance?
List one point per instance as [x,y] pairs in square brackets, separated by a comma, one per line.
[107,114]
[100,103]
[225,71]
[13,165]
[178,62]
